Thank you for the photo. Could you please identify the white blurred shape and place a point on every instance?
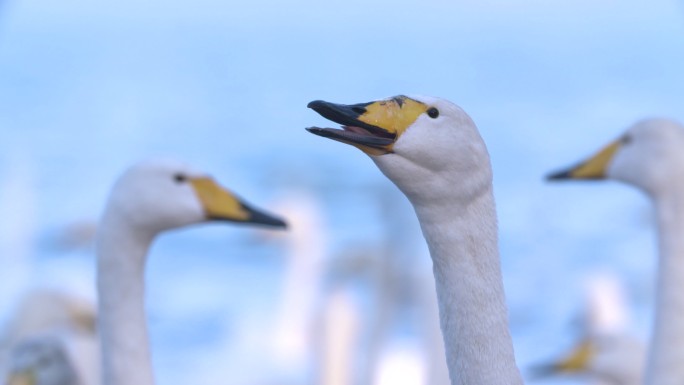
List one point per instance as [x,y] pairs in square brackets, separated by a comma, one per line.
[305,245]
[401,363]
[17,222]
[606,304]
[339,339]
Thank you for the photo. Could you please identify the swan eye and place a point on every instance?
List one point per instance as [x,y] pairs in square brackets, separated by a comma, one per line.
[627,139]
[433,112]
[180,178]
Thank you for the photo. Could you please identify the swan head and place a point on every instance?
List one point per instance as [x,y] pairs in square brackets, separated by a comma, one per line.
[648,155]
[421,143]
[161,194]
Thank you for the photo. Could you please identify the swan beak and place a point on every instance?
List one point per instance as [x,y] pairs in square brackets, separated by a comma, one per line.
[593,168]
[372,127]
[221,204]
[21,378]
[577,361]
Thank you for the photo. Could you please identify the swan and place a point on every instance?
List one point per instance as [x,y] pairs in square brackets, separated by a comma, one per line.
[150,197]
[53,313]
[649,156]
[611,358]
[42,360]
[432,151]
[607,353]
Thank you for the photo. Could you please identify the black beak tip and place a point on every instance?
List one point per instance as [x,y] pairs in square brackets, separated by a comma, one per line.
[258,217]
[539,372]
[268,220]
[318,131]
[316,104]
[279,223]
[559,175]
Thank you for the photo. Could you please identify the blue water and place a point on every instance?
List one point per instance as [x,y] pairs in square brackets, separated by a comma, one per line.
[86,89]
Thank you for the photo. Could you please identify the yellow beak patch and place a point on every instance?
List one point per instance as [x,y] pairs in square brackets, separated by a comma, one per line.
[218,203]
[393,115]
[579,359]
[372,127]
[593,168]
[221,204]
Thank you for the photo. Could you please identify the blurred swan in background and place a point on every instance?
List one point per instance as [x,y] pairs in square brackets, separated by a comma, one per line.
[305,245]
[33,315]
[324,327]
[607,353]
[433,152]
[42,360]
[50,329]
[649,156]
[150,197]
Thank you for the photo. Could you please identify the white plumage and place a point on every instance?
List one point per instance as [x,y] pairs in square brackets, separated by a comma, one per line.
[151,197]
[432,151]
[649,156]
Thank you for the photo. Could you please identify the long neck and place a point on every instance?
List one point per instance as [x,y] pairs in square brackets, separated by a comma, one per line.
[462,239]
[665,365]
[121,289]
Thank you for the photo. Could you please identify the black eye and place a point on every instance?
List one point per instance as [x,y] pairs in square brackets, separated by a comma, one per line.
[180,178]
[433,112]
[627,139]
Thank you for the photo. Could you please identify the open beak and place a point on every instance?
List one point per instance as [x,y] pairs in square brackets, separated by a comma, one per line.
[221,204]
[372,127]
[593,168]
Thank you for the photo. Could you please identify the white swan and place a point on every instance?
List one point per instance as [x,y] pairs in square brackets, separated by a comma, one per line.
[649,156]
[607,353]
[151,197]
[432,151]
[42,360]
[46,314]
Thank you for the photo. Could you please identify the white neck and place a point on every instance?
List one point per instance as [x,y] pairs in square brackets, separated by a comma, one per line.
[666,358]
[124,342]
[462,239]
